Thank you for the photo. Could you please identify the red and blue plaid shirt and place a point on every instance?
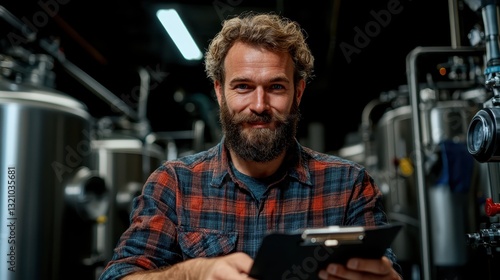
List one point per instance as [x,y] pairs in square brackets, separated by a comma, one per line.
[196,207]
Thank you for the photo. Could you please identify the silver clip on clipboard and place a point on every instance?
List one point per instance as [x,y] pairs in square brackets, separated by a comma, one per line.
[333,236]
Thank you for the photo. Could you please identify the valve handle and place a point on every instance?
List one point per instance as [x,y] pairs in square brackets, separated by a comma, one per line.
[491,208]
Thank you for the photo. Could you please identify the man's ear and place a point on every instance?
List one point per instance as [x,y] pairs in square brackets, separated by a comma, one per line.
[218,90]
[301,86]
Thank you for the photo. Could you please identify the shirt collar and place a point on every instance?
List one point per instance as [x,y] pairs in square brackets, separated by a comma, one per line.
[297,159]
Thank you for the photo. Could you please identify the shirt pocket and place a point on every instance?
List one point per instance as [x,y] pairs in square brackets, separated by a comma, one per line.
[201,242]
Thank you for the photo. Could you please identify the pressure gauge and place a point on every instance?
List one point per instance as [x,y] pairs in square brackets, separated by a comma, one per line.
[483,135]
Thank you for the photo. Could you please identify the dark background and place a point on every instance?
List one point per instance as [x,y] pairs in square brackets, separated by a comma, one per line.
[110,40]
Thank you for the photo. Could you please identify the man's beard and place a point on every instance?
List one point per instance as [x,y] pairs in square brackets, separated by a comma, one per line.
[259,144]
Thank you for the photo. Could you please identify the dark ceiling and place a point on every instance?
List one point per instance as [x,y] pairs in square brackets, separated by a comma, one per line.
[111,40]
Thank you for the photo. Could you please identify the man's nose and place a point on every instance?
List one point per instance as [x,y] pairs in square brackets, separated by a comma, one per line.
[260,102]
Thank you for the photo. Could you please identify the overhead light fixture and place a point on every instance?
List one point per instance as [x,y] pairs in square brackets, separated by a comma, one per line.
[174,26]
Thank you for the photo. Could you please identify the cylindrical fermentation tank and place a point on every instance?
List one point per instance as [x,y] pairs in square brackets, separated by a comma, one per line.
[49,198]
[125,162]
[444,122]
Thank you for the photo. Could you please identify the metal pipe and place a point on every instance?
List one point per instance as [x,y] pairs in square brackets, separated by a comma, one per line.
[18,24]
[77,73]
[412,76]
[144,94]
[89,82]
[454,23]
[491,32]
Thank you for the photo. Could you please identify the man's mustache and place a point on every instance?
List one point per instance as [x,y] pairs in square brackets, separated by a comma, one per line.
[262,118]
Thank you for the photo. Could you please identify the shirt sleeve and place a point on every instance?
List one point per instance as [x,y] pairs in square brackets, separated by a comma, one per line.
[367,208]
[150,240]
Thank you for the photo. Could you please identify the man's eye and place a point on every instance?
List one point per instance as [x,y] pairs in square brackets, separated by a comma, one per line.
[276,86]
[242,86]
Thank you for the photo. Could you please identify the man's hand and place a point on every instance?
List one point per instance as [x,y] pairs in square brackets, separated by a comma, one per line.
[357,268]
[234,266]
[231,267]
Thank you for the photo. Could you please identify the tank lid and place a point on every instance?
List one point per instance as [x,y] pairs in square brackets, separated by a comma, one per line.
[20,92]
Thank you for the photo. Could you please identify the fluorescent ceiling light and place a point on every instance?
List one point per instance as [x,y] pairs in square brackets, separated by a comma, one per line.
[179,34]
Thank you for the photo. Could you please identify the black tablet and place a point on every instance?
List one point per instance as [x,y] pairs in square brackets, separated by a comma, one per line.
[300,255]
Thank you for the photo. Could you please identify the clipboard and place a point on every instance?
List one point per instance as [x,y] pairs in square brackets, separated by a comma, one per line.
[300,255]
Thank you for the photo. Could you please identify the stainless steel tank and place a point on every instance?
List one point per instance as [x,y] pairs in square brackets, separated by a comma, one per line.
[450,203]
[396,178]
[124,161]
[451,210]
[49,197]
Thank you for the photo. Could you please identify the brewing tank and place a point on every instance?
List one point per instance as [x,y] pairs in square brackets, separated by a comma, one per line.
[394,142]
[45,183]
[124,161]
[449,176]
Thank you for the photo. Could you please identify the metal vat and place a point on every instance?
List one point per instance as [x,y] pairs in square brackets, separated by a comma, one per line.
[125,162]
[49,198]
